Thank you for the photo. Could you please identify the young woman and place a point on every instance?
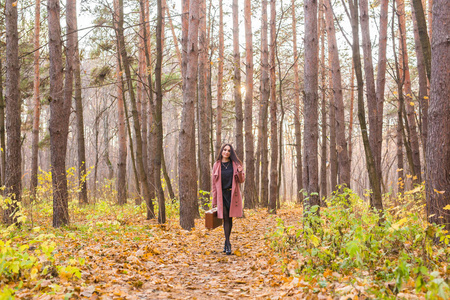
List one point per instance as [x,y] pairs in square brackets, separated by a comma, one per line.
[226,176]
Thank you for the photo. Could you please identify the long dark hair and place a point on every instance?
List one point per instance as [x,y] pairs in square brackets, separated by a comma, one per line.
[233,155]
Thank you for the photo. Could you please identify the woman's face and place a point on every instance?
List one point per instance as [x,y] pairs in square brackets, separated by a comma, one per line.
[226,152]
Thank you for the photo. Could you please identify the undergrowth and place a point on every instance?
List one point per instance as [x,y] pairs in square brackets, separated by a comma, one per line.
[386,253]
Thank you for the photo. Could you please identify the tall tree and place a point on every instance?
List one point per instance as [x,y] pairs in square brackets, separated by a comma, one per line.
[237,82]
[82,182]
[424,39]
[376,201]
[343,161]
[187,170]
[264,102]
[13,154]
[250,195]
[438,148]
[323,149]
[2,128]
[158,115]
[220,81]
[204,163]
[36,100]
[409,105]
[59,117]
[273,195]
[311,104]
[134,112]
[298,132]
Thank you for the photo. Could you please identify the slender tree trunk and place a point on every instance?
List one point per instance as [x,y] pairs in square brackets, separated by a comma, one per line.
[375,201]
[311,105]
[166,177]
[175,39]
[343,161]
[2,130]
[158,115]
[250,195]
[265,94]
[13,152]
[438,150]
[298,131]
[82,175]
[187,169]
[400,172]
[237,82]
[381,82]
[273,114]
[37,102]
[220,81]
[424,39]
[423,84]
[204,163]
[323,157]
[350,125]
[414,139]
[134,112]
[333,143]
[59,117]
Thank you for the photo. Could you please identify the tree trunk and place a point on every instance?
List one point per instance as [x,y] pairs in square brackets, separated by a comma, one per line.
[13,165]
[237,82]
[204,163]
[413,137]
[343,161]
[82,175]
[423,85]
[59,117]
[265,94]
[175,39]
[134,112]
[273,115]
[37,102]
[381,82]
[323,157]
[298,131]
[400,172]
[220,82]
[424,39]
[158,115]
[438,150]
[2,130]
[167,178]
[311,105]
[350,125]
[375,200]
[250,195]
[187,169]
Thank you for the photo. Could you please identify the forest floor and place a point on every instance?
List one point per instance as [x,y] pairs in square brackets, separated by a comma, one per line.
[151,261]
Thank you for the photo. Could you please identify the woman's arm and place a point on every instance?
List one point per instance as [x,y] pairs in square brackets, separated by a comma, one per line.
[241,174]
[214,190]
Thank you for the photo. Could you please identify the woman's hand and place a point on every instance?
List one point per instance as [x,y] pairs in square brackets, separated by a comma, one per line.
[239,168]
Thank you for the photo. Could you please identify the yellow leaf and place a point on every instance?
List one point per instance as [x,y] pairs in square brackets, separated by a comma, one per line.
[397,225]
[439,192]
[408,176]
[425,97]
[447,207]
[327,273]
[411,103]
[415,190]
[399,170]
[14,4]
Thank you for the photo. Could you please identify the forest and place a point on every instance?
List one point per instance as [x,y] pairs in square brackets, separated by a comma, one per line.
[113,113]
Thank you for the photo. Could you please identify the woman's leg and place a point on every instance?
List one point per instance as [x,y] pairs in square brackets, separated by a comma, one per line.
[227,225]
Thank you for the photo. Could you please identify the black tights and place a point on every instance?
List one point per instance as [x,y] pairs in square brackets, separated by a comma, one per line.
[227,224]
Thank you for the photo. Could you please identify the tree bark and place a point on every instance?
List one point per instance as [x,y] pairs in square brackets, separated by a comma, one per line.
[265,94]
[409,105]
[158,115]
[187,169]
[82,175]
[423,85]
[204,163]
[375,200]
[59,118]
[323,146]
[250,195]
[237,82]
[298,132]
[350,125]
[37,102]
[273,195]
[136,121]
[424,39]
[175,39]
[13,165]
[220,81]
[311,105]
[343,161]
[438,148]
[2,130]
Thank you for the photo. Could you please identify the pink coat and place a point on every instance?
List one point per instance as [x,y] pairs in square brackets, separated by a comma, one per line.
[236,199]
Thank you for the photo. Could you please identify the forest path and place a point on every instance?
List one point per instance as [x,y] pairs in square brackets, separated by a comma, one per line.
[166,262]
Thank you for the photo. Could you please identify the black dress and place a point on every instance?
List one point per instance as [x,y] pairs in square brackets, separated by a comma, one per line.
[227,183]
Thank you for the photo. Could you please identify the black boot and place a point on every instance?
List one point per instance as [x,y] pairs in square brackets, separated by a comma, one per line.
[225,247]
[228,249]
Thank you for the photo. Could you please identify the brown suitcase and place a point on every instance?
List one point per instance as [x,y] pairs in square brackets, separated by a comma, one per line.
[211,220]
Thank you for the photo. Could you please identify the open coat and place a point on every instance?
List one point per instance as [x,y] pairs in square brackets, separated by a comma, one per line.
[236,198]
